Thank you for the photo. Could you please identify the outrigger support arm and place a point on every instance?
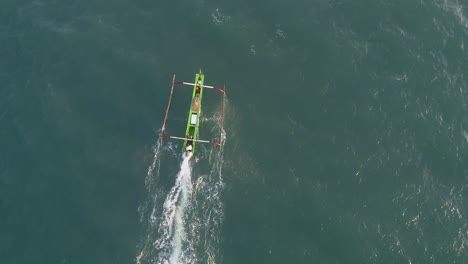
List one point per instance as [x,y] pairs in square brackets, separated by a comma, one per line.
[204,86]
[196,140]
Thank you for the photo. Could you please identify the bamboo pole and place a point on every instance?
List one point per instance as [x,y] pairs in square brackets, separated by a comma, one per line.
[167,109]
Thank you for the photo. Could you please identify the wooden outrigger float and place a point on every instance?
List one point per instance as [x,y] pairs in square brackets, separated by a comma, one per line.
[192,131]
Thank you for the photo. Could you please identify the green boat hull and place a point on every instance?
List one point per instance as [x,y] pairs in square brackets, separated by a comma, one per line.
[191,132]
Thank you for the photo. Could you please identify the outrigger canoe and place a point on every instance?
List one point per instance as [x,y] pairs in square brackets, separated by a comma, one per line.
[191,137]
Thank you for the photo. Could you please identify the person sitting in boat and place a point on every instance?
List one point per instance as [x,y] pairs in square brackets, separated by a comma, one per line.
[198,86]
[188,148]
[196,103]
[189,140]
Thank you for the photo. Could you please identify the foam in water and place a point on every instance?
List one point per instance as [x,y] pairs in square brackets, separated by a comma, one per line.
[171,232]
[186,227]
[174,210]
[183,224]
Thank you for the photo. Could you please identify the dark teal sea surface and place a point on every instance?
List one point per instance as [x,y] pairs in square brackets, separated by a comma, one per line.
[346,132]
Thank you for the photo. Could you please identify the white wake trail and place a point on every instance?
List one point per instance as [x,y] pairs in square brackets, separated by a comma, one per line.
[172,232]
[183,224]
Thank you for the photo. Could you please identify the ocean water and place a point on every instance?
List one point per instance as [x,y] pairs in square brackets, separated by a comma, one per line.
[346,135]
